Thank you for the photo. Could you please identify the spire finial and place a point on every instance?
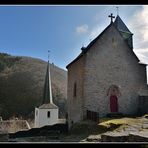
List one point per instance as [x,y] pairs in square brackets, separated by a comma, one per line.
[111,16]
[117,10]
[48,54]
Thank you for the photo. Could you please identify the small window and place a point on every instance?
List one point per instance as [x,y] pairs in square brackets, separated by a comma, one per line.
[48,114]
[75,90]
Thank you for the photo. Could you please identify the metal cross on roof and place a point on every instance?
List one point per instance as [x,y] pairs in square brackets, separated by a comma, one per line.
[111,16]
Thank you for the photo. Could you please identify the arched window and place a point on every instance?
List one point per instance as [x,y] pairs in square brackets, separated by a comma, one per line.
[114,90]
[75,90]
[48,114]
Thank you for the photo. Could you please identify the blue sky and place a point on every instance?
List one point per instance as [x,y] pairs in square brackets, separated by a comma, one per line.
[32,30]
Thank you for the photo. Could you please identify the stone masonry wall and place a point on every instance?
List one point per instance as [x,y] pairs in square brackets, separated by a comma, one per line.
[108,62]
[75,104]
[111,62]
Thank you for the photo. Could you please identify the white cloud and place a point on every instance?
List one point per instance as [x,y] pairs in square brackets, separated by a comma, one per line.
[142,55]
[82,29]
[139,25]
[144,50]
[93,33]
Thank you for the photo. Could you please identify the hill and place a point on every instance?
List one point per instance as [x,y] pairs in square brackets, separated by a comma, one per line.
[22,82]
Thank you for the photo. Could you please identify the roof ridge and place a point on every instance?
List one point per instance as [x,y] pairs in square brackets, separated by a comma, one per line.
[48,105]
[84,49]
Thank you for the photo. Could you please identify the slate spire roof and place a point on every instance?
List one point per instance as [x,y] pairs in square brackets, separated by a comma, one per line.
[120,25]
[47,93]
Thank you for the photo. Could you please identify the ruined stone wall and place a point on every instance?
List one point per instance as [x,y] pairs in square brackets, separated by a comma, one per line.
[12,126]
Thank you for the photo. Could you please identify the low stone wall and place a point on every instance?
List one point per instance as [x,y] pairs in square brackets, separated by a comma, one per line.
[12,126]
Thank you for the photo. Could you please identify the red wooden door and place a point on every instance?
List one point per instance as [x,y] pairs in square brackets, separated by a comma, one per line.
[113,103]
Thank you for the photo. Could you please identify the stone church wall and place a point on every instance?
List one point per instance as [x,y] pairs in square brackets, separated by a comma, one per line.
[111,62]
[75,105]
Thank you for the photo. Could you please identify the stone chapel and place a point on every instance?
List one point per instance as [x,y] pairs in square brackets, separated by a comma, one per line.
[47,112]
[107,76]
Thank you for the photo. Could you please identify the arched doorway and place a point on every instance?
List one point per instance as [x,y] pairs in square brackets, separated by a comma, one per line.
[113,94]
[113,103]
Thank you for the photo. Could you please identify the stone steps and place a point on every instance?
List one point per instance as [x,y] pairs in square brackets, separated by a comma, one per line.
[114,115]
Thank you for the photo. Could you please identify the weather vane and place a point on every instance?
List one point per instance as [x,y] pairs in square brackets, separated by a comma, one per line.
[117,10]
[48,54]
